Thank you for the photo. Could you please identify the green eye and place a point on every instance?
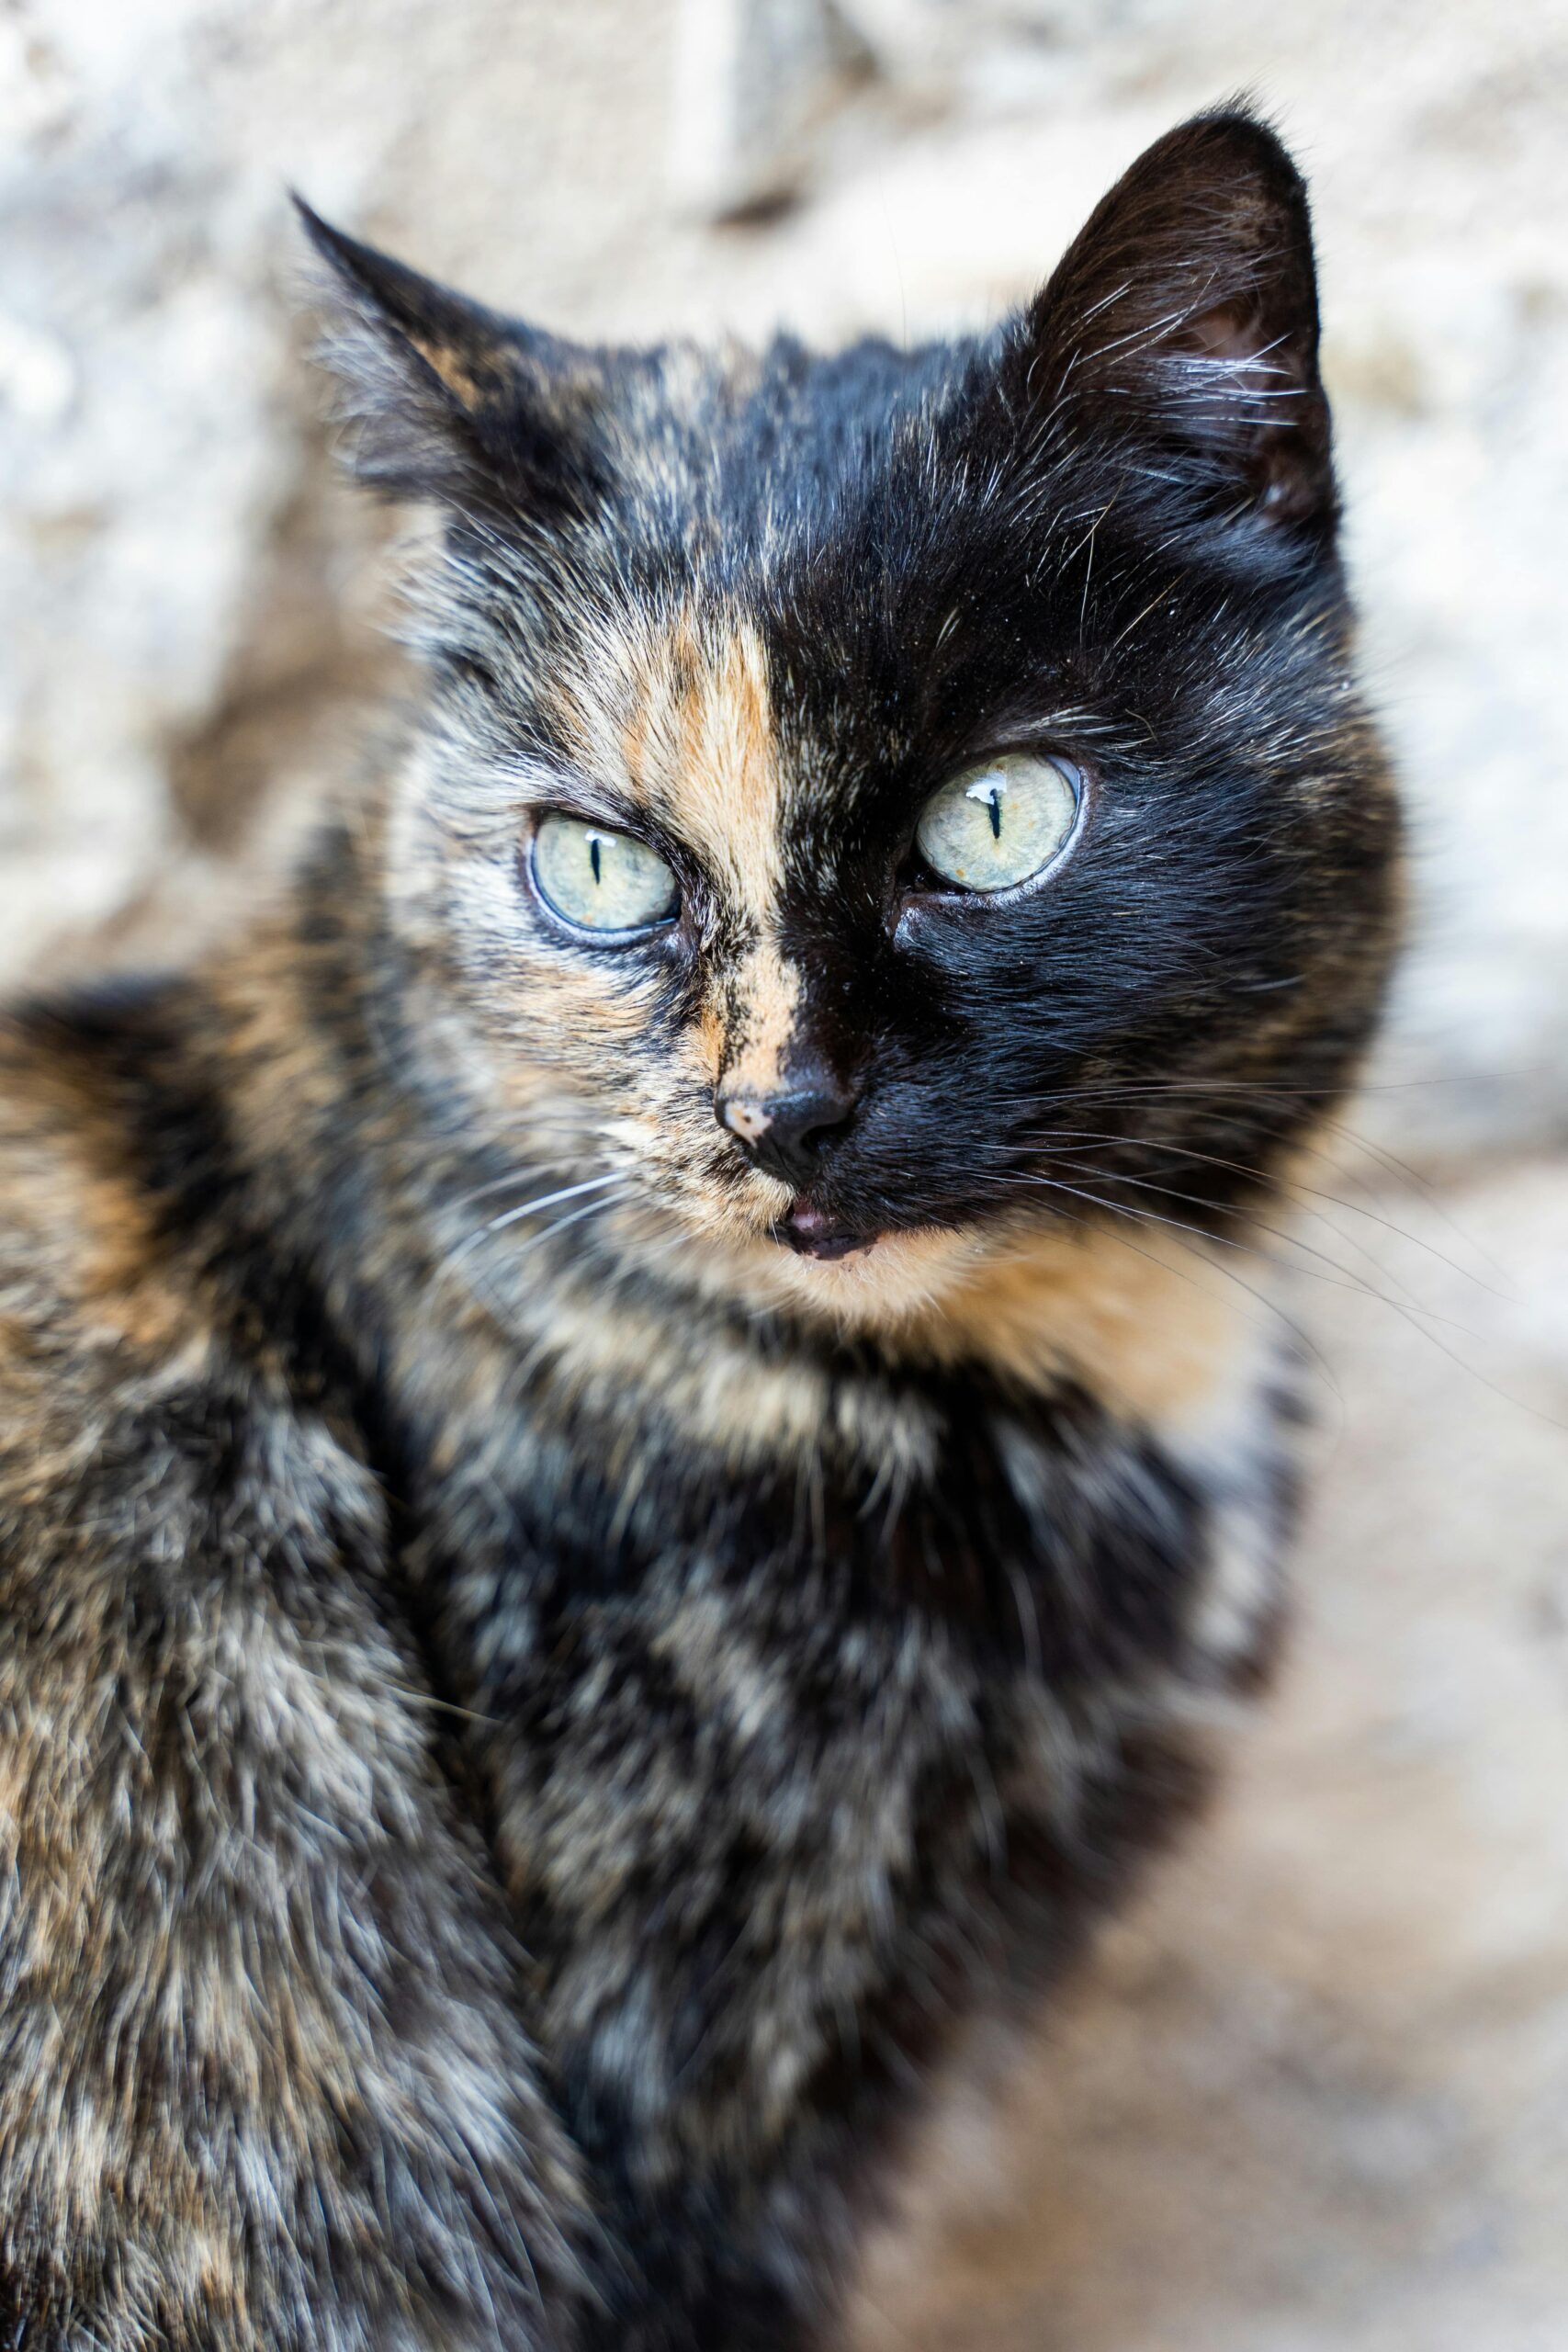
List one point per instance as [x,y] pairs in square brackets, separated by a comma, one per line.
[1000,822]
[601,880]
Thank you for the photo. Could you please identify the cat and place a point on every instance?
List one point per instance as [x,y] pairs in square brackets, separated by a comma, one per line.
[643,1447]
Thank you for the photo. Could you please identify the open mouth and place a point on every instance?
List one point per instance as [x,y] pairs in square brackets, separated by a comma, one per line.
[812,1233]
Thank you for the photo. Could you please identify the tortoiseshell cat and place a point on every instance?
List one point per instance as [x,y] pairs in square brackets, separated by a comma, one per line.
[630,1465]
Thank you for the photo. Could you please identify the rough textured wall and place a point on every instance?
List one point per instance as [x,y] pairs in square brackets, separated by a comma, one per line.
[1315,2100]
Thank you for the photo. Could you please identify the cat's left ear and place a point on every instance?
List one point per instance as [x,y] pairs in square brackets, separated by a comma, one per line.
[448,400]
[1182,324]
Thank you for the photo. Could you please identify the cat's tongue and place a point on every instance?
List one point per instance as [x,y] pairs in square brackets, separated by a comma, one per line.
[814,1234]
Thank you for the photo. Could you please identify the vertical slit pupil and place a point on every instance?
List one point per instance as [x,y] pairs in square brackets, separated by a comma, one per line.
[594,853]
[994,801]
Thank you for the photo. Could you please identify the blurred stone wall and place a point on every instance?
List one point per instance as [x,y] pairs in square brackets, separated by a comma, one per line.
[188,598]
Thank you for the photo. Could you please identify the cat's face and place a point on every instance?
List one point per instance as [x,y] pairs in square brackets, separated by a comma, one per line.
[872,804]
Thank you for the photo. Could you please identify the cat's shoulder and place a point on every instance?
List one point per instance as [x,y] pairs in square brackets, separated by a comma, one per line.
[99,1311]
[149,1430]
[79,1229]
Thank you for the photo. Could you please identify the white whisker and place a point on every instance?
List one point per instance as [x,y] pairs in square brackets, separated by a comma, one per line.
[532,1208]
[550,1200]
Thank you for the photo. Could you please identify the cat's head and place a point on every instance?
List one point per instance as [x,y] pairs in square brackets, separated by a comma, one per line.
[870,804]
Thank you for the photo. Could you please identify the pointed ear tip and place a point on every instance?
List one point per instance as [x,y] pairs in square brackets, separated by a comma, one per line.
[1243,134]
[328,242]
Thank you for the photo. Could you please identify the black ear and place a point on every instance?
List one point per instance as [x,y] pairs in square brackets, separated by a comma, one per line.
[1182,322]
[450,401]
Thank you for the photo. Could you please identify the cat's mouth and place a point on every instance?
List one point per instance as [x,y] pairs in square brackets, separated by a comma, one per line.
[810,1232]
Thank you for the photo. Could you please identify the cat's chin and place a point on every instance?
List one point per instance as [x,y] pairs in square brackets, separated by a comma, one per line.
[855,1282]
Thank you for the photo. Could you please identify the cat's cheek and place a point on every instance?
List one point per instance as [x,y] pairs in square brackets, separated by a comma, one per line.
[535,999]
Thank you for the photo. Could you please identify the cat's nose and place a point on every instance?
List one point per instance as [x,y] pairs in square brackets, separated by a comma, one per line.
[783,1133]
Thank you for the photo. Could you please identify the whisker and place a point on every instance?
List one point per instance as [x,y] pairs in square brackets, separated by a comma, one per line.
[1348,1278]
[1288,1184]
[1225,1091]
[591,1208]
[525,1175]
[1419,1318]
[1275,1314]
[532,1208]
[549,1200]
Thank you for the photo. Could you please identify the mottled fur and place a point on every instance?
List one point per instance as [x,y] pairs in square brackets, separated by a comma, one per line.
[528,1709]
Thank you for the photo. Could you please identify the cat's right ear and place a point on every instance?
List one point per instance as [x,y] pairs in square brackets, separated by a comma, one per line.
[1181,329]
[445,399]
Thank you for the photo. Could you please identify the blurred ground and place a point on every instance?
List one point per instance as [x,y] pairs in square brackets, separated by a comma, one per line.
[1315,2095]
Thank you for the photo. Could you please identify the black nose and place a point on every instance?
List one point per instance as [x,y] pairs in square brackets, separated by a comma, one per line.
[783,1133]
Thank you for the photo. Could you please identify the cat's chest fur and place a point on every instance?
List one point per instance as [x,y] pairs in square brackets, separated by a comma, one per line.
[813,1691]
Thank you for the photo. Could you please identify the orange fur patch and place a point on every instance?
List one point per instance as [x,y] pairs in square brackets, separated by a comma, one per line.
[724,794]
[768,992]
[697,744]
[449,368]
[1154,1330]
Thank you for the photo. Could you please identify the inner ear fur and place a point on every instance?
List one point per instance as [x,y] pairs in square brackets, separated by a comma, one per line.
[1183,321]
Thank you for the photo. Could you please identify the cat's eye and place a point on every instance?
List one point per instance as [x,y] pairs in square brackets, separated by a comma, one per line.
[1001,821]
[601,880]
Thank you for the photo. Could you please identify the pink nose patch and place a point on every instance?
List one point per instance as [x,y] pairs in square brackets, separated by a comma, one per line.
[746,1118]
